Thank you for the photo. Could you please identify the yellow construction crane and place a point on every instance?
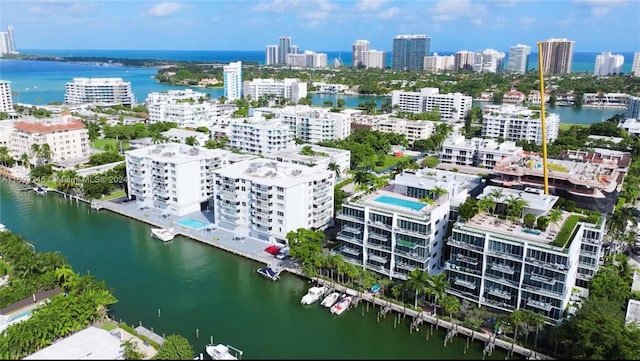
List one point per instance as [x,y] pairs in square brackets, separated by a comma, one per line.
[542,116]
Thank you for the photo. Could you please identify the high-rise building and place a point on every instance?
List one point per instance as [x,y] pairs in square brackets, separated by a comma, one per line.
[557,55]
[514,123]
[7,42]
[12,44]
[464,60]
[519,59]
[284,48]
[105,91]
[374,59]
[436,63]
[409,52]
[488,61]
[6,102]
[233,80]
[271,55]
[357,57]
[635,66]
[608,64]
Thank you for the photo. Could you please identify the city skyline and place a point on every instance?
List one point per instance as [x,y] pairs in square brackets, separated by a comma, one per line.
[320,25]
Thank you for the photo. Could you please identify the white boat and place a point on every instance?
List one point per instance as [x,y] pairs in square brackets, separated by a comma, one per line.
[330,300]
[342,305]
[163,234]
[219,352]
[314,294]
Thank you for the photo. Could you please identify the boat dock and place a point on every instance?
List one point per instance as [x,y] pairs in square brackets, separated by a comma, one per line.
[141,330]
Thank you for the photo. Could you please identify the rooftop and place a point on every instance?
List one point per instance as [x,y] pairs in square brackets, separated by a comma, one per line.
[294,154]
[183,133]
[403,205]
[92,343]
[633,313]
[455,183]
[535,197]
[49,125]
[269,172]
[176,153]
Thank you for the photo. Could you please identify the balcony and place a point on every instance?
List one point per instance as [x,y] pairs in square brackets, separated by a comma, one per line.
[260,213]
[379,224]
[378,259]
[264,204]
[407,266]
[354,230]
[468,260]
[349,217]
[378,268]
[348,238]
[228,196]
[499,304]
[411,255]
[379,247]
[544,291]
[540,278]
[501,280]
[500,254]
[465,245]
[407,244]
[378,236]
[500,267]
[409,232]
[227,192]
[466,284]
[500,293]
[351,251]
[540,305]
[458,268]
[260,188]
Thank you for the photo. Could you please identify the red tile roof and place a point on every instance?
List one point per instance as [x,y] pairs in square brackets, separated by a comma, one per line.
[43,127]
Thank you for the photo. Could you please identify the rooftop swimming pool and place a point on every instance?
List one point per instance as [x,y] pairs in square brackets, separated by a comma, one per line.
[21,316]
[404,203]
[192,223]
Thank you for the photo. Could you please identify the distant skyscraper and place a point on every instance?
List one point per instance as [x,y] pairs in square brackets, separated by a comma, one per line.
[284,48]
[12,43]
[294,50]
[357,56]
[463,60]
[271,55]
[374,59]
[635,67]
[232,74]
[557,55]
[409,52]
[6,102]
[608,64]
[488,61]
[519,58]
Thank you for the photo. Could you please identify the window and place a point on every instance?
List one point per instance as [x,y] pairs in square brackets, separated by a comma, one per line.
[280,197]
[280,214]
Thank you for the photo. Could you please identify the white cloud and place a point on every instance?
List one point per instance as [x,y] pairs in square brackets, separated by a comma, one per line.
[164,9]
[600,8]
[527,20]
[274,6]
[450,10]
[389,13]
[369,5]
[313,12]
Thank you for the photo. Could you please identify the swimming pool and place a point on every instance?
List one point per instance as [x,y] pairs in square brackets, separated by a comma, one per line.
[416,206]
[192,223]
[21,316]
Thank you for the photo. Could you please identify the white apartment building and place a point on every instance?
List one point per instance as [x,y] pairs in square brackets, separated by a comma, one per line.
[322,157]
[101,91]
[181,135]
[488,61]
[314,125]
[608,64]
[374,59]
[633,107]
[186,107]
[453,107]
[635,66]
[605,100]
[477,152]
[393,232]
[272,198]
[271,55]
[438,63]
[519,59]
[295,60]
[534,97]
[412,129]
[232,76]
[357,54]
[172,177]
[6,132]
[631,126]
[66,136]
[506,266]
[324,88]
[6,101]
[260,136]
[290,89]
[464,60]
[511,122]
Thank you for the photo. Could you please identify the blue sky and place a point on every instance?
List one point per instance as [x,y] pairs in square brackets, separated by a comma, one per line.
[594,25]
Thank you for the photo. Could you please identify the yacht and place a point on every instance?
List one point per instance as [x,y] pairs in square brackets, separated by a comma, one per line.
[40,190]
[330,300]
[163,234]
[342,305]
[219,352]
[313,295]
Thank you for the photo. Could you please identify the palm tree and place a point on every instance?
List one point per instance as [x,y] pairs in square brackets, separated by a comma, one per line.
[191,141]
[437,192]
[428,201]
[35,152]
[416,281]
[517,318]
[66,180]
[157,138]
[515,206]
[537,320]
[362,177]
[617,223]
[307,150]
[487,204]
[334,167]
[24,159]
[555,216]
[436,287]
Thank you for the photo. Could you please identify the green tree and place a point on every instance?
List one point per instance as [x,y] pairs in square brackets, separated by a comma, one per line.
[416,281]
[430,162]
[175,347]
[334,167]
[191,141]
[131,351]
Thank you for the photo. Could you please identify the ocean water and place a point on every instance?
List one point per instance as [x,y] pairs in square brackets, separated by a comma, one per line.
[582,61]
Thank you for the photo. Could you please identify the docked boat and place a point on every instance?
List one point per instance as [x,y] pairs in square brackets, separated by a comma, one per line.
[313,295]
[219,352]
[269,273]
[40,190]
[342,305]
[330,300]
[163,234]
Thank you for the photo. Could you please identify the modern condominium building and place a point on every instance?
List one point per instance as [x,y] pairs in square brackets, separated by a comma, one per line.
[319,157]
[101,91]
[488,61]
[464,60]
[504,265]
[392,231]
[608,64]
[519,59]
[374,59]
[271,55]
[314,125]
[270,198]
[437,63]
[175,178]
[605,100]
[284,48]
[260,136]
[290,89]
[633,107]
[511,122]
[477,152]
[7,42]
[412,129]
[557,55]
[635,66]
[409,52]
[66,136]
[232,75]
[6,101]
[452,107]
[358,49]
[186,107]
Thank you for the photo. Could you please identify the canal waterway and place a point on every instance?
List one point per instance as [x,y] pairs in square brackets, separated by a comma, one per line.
[199,287]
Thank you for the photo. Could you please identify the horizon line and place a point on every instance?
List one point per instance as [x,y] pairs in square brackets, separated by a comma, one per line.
[332,51]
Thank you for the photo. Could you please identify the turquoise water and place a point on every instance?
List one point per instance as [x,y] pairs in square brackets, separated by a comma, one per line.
[192,223]
[400,202]
[21,315]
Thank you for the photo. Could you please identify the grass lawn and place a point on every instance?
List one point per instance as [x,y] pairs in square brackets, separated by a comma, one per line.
[390,160]
[101,143]
[114,195]
[109,326]
[566,126]
[50,184]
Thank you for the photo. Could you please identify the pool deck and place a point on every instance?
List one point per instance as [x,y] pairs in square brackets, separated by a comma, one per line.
[222,237]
